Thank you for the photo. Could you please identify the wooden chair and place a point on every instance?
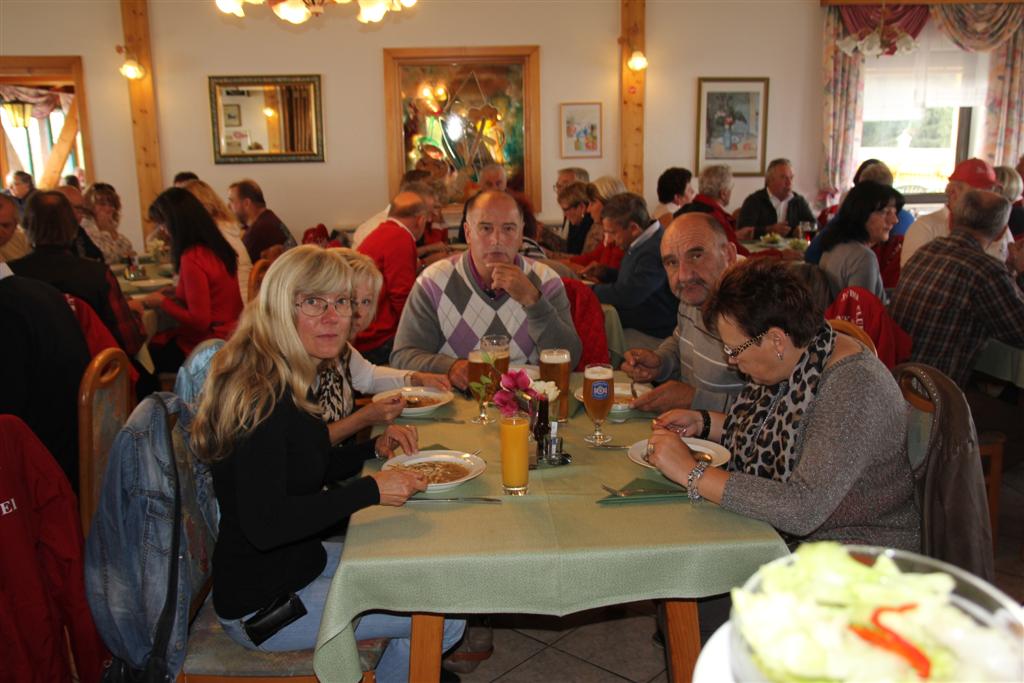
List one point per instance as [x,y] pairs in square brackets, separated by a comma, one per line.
[855,331]
[104,402]
[256,275]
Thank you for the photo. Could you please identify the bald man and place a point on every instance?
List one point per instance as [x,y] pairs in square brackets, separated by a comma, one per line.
[690,365]
[392,246]
[489,289]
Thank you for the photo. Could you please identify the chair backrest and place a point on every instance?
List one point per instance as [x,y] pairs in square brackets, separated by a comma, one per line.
[858,333]
[192,373]
[104,402]
[588,319]
[256,275]
[943,449]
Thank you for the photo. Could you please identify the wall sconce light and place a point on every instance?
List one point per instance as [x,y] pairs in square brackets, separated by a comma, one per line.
[269,112]
[130,68]
[637,61]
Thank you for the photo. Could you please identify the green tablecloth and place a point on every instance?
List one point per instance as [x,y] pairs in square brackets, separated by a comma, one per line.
[1001,361]
[554,551]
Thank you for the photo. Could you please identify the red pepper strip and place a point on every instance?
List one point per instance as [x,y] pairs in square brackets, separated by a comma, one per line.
[887,639]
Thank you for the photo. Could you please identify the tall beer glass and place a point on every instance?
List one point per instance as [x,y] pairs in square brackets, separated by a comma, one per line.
[477,370]
[598,395]
[554,367]
[491,361]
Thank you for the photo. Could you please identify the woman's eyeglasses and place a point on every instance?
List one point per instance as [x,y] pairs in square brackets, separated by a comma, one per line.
[732,353]
[316,306]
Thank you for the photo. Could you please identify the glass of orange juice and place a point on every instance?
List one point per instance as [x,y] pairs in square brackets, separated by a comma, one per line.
[515,453]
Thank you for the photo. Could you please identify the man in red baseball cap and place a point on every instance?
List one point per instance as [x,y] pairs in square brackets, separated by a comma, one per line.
[969,174]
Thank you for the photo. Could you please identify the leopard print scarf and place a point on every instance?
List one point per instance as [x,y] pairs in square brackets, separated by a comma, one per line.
[760,429]
[334,388]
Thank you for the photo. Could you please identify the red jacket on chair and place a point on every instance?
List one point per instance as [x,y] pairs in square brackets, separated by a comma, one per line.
[41,566]
[864,310]
[97,336]
[588,319]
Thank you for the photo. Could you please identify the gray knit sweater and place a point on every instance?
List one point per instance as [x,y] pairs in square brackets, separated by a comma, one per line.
[852,481]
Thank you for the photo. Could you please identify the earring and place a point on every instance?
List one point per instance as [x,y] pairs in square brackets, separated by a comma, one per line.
[780,355]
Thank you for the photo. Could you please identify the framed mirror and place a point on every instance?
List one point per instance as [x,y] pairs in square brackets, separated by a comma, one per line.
[260,119]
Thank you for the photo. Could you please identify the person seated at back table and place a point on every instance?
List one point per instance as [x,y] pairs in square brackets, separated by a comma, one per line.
[639,291]
[674,192]
[714,192]
[689,365]
[265,235]
[601,257]
[13,240]
[392,246]
[102,208]
[489,289]
[271,456]
[775,208]
[794,462]
[84,246]
[206,303]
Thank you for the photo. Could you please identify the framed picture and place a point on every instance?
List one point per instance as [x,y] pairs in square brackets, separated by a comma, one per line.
[580,130]
[232,115]
[732,124]
[455,110]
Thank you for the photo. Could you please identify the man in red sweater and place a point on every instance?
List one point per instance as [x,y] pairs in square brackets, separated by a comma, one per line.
[392,246]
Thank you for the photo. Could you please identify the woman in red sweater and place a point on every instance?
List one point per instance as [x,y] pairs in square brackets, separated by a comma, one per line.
[206,302]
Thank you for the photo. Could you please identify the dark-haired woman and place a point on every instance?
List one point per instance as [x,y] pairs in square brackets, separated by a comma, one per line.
[818,434]
[206,302]
[865,219]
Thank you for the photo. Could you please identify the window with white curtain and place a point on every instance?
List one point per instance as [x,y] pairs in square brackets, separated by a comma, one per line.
[918,111]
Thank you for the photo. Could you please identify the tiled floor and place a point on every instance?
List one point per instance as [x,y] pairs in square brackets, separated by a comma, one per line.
[614,644]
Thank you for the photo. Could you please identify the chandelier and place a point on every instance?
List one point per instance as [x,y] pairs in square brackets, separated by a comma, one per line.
[299,11]
[884,40]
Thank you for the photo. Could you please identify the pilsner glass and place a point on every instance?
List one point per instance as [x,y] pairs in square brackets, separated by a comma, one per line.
[598,395]
[494,352]
[515,453]
[554,367]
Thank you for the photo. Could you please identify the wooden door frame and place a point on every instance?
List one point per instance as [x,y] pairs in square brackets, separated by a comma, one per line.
[58,70]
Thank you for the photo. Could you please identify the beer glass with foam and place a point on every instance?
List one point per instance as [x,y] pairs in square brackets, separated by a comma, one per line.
[598,395]
[491,361]
[554,367]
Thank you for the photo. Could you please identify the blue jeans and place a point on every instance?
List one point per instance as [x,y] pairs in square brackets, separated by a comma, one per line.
[301,634]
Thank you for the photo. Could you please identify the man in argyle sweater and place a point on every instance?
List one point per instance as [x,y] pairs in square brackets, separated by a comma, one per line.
[489,289]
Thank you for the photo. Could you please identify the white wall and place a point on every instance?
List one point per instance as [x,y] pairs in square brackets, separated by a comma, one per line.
[579,62]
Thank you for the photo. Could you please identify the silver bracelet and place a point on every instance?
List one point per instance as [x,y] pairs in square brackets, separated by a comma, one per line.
[693,478]
[380,456]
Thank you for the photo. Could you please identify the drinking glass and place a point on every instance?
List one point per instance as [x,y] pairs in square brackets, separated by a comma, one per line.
[515,453]
[598,395]
[491,361]
[554,367]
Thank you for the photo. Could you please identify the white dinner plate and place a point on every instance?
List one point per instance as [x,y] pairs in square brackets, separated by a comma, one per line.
[412,394]
[473,463]
[623,396]
[148,285]
[719,454]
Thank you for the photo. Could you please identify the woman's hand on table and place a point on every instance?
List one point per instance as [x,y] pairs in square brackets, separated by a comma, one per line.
[671,455]
[136,306]
[398,436]
[430,379]
[152,300]
[396,486]
[681,422]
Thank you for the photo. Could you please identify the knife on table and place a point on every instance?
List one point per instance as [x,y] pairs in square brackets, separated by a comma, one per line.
[478,499]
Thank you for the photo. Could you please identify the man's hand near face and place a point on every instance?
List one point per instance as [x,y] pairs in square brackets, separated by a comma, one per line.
[510,278]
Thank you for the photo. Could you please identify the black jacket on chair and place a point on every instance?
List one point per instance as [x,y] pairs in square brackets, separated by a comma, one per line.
[757,210]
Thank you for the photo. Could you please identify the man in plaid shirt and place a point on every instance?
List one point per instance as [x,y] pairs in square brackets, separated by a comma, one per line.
[952,296]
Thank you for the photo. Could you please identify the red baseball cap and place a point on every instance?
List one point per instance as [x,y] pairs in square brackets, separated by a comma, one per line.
[977,173]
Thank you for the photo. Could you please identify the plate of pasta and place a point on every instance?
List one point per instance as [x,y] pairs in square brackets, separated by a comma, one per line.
[443,469]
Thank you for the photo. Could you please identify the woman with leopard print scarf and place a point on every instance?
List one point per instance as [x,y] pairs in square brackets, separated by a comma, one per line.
[817,437]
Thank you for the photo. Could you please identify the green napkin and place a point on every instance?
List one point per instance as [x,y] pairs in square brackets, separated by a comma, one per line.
[665,492]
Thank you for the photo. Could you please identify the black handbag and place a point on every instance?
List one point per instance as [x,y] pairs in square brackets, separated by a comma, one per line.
[155,668]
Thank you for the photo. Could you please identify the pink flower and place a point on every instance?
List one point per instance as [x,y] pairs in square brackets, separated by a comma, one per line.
[515,379]
[506,401]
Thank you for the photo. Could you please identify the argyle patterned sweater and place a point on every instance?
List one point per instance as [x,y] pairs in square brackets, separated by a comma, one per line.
[447,313]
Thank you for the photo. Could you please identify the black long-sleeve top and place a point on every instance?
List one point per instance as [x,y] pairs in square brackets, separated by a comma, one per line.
[273,508]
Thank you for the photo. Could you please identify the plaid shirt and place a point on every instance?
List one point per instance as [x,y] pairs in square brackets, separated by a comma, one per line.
[951,297]
[129,329]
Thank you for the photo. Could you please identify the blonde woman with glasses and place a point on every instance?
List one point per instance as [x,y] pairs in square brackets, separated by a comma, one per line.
[262,433]
[103,218]
[339,378]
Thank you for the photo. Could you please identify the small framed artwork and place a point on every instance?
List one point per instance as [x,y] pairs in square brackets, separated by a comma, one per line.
[232,115]
[581,133]
[732,118]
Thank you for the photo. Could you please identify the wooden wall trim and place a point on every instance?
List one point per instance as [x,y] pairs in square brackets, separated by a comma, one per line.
[631,115]
[135,23]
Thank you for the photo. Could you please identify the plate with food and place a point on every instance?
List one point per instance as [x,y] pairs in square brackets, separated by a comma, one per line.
[623,395]
[443,469]
[719,453]
[771,238]
[418,400]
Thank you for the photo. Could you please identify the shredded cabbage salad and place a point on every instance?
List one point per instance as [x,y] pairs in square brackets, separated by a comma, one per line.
[827,617]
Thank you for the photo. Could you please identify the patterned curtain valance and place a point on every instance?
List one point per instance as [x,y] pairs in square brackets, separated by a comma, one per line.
[979,28]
